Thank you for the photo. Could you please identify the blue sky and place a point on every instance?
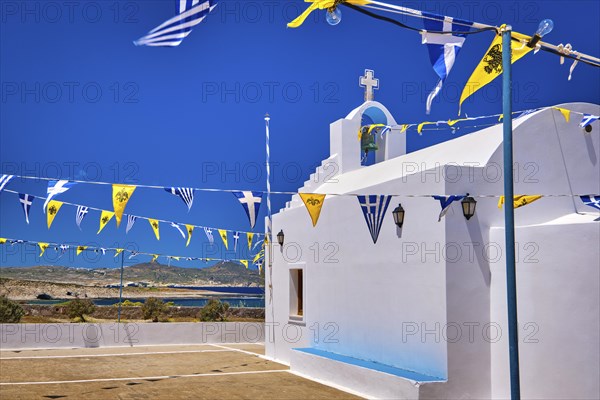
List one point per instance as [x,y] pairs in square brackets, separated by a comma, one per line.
[80,101]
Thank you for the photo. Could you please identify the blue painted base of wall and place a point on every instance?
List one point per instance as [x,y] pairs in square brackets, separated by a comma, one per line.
[402,373]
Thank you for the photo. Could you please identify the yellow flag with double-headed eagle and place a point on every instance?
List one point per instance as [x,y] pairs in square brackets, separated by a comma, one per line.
[223,234]
[249,236]
[155,227]
[43,247]
[520,200]
[314,203]
[490,65]
[52,209]
[190,230]
[121,195]
[105,219]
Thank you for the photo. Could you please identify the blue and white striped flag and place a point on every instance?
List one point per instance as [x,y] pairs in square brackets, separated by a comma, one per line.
[374,208]
[251,203]
[186,194]
[172,32]
[446,202]
[443,49]
[130,221]
[588,119]
[55,188]
[4,180]
[26,201]
[592,201]
[209,235]
[80,215]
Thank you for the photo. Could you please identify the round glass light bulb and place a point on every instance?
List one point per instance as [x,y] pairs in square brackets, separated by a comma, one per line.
[545,27]
[334,17]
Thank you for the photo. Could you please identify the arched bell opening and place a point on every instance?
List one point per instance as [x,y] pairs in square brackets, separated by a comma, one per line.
[372,129]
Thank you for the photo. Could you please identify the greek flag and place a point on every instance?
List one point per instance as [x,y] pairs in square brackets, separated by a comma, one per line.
[55,188]
[588,119]
[4,180]
[26,201]
[172,32]
[446,202]
[209,235]
[174,225]
[443,49]
[251,203]
[80,214]
[374,208]
[236,236]
[186,194]
[130,221]
[63,250]
[592,201]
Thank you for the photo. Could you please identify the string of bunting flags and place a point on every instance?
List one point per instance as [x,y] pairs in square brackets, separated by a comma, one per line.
[374,207]
[54,206]
[445,36]
[251,200]
[381,129]
[63,248]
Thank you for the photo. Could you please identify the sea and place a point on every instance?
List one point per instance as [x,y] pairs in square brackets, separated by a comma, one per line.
[251,297]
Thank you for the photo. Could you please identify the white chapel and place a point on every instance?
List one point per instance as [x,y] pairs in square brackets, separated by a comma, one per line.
[422,312]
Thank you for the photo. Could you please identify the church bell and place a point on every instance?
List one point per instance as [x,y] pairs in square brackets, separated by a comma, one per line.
[367,140]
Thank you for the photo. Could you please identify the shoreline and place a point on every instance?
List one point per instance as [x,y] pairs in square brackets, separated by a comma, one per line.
[28,290]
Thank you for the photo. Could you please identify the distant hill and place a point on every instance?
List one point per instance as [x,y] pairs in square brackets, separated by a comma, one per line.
[221,274]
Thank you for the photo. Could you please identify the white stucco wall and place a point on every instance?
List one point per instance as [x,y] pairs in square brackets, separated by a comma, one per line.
[441,278]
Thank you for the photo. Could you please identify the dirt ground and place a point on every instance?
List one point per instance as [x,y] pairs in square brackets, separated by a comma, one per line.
[231,371]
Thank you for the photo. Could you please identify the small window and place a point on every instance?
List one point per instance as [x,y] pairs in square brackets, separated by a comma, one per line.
[297,294]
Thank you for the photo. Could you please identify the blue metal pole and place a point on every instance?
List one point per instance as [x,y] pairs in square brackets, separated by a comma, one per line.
[509,216]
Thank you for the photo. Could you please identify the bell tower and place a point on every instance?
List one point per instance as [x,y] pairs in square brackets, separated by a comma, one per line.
[379,138]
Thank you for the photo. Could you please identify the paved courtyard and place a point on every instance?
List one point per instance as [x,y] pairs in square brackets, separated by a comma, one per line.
[230,371]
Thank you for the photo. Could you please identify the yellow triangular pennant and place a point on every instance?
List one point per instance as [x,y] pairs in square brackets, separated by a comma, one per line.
[154,257]
[105,218]
[155,227]
[566,113]
[175,258]
[259,255]
[454,121]
[490,65]
[421,125]
[80,249]
[223,234]
[118,251]
[244,263]
[43,247]
[2,240]
[52,210]
[249,236]
[520,200]
[190,230]
[314,203]
[121,195]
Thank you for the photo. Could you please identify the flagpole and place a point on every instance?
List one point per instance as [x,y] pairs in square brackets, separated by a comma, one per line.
[121,285]
[268,167]
[509,215]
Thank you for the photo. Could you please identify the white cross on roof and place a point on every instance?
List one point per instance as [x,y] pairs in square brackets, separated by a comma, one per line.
[369,82]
